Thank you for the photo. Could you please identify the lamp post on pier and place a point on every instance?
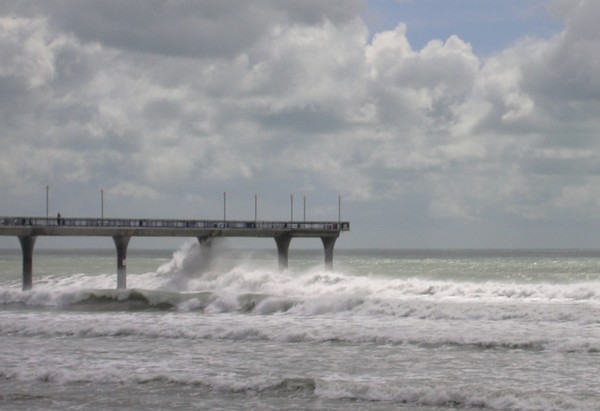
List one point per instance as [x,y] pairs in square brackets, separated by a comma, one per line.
[47,201]
[305,209]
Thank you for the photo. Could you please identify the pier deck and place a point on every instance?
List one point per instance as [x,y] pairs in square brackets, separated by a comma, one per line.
[27,229]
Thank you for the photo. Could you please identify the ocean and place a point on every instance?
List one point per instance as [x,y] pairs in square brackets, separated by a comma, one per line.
[386,330]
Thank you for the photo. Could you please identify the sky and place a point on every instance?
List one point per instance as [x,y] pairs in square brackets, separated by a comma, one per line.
[439,123]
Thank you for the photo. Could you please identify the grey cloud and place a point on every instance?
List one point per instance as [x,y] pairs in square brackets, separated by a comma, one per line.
[568,66]
[307,120]
[105,94]
[211,28]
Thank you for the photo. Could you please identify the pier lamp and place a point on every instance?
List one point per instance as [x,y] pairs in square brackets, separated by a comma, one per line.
[305,209]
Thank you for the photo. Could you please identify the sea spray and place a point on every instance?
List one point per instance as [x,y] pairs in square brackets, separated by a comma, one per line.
[187,262]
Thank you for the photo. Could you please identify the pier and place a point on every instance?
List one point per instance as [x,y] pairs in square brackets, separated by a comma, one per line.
[28,229]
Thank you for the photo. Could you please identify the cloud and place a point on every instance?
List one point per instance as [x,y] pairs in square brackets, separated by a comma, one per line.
[133,191]
[168,104]
[186,28]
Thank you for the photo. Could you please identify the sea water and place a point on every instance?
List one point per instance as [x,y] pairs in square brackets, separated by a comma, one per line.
[406,330]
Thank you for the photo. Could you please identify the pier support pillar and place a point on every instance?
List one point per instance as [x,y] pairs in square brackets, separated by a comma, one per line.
[283,245]
[121,243]
[206,252]
[328,244]
[27,243]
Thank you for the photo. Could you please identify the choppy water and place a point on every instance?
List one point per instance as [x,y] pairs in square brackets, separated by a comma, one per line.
[406,330]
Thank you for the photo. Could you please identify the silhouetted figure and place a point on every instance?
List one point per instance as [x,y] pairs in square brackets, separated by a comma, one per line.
[58,219]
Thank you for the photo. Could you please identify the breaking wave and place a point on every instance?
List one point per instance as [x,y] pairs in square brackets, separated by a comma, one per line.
[332,388]
[188,283]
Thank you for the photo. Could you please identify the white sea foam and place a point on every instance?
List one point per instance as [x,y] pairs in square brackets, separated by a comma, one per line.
[443,396]
[249,287]
[335,387]
[498,314]
[470,335]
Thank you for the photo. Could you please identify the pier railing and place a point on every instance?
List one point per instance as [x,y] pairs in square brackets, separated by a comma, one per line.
[172,223]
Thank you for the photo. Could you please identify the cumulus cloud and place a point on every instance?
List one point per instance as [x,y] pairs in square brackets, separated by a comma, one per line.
[168,104]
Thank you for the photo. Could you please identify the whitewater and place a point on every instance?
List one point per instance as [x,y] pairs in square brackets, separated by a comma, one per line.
[387,329]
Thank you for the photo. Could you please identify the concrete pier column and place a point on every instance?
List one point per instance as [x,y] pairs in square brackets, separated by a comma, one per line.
[283,245]
[27,243]
[328,244]
[121,242]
